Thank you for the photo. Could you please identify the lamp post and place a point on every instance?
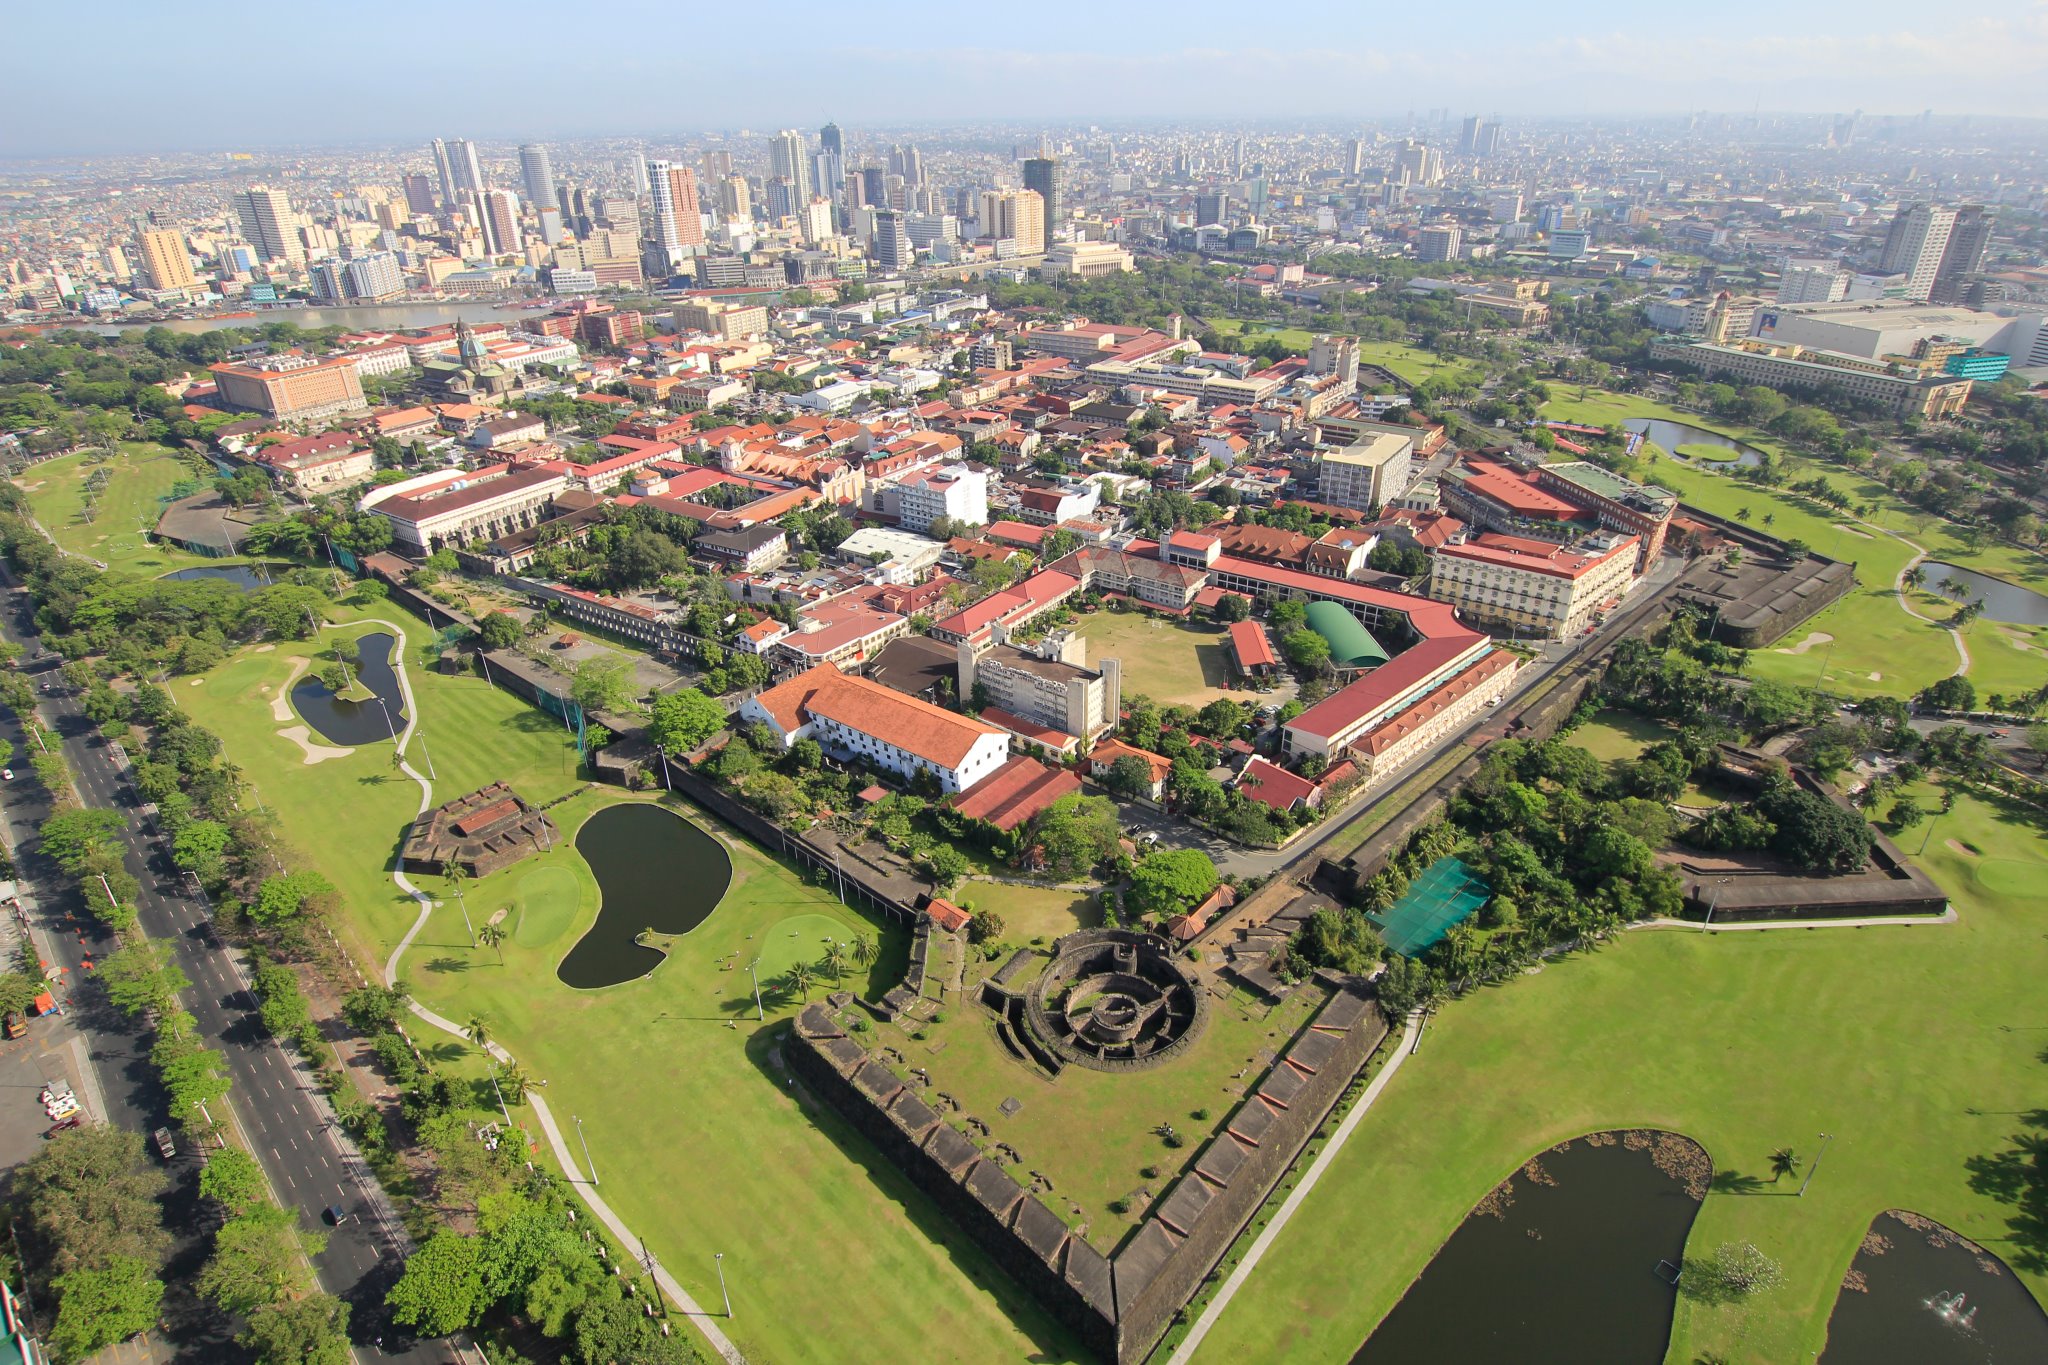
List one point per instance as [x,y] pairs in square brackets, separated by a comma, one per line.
[420,735]
[388,726]
[758,1014]
[719,1260]
[1712,901]
[1825,1139]
[586,1150]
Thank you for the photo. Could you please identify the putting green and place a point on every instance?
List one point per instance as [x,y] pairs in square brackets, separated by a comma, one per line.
[1707,450]
[800,938]
[2011,876]
[544,903]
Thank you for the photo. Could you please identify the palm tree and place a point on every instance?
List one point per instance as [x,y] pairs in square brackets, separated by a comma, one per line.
[1955,588]
[835,958]
[455,875]
[865,949]
[1770,518]
[493,936]
[513,1083]
[1914,578]
[1784,1162]
[478,1031]
[801,977]
[1742,514]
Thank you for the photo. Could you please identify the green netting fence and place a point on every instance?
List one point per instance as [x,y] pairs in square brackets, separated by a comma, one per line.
[1445,893]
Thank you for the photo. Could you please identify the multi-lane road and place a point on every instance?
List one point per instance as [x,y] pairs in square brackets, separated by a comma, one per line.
[286,1122]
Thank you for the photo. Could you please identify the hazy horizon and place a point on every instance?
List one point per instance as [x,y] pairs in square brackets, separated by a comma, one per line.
[250,76]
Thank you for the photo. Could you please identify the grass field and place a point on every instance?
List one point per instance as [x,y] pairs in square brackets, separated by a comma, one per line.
[1033,912]
[697,1140]
[1164,660]
[1411,363]
[1876,647]
[1914,1047]
[1617,736]
[140,476]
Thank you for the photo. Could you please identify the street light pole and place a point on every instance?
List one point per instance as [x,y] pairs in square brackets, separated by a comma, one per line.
[1825,1139]
[392,729]
[586,1150]
[421,736]
[758,1015]
[719,1259]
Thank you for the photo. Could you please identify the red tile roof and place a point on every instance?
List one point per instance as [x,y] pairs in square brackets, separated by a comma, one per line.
[1273,786]
[1015,792]
[1248,640]
[1339,712]
[914,726]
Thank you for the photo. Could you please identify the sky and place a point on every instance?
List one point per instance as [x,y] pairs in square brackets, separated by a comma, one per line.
[228,74]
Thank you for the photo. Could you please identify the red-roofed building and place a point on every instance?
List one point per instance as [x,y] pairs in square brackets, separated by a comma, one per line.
[1031,732]
[1104,755]
[946,916]
[854,718]
[1251,649]
[1273,786]
[1015,793]
[1012,607]
[1534,587]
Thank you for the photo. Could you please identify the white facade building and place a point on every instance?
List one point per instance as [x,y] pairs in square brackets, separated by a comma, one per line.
[956,490]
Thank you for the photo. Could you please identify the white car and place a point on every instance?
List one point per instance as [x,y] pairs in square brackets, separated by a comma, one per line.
[61,1109]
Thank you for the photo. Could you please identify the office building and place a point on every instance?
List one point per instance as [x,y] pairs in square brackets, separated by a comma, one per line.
[1968,242]
[1893,390]
[1211,208]
[1874,328]
[166,261]
[1368,475]
[1047,178]
[1478,137]
[292,388]
[1569,243]
[1356,160]
[1086,260]
[735,199]
[831,141]
[498,213]
[957,491]
[419,194]
[1440,242]
[815,221]
[1014,215]
[891,242]
[790,161]
[268,224]
[464,166]
[444,172]
[373,277]
[1914,246]
[1505,207]
[1415,164]
[907,162]
[537,174]
[678,222]
[1812,282]
[1047,685]
[1336,355]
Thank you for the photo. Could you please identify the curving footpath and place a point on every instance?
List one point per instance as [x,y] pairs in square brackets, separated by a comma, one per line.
[577,1179]
[1906,605]
[1294,1201]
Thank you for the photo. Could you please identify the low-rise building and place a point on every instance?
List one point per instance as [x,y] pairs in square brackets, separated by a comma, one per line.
[856,719]
[454,507]
[292,388]
[1534,587]
[1047,684]
[749,548]
[318,464]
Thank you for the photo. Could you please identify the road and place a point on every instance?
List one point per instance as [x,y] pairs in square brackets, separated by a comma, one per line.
[287,1123]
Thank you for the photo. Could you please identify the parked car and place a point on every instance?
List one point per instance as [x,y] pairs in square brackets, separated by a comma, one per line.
[61,1124]
[165,1144]
[6,774]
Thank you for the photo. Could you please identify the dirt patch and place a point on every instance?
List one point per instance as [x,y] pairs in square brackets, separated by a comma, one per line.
[315,753]
[1813,640]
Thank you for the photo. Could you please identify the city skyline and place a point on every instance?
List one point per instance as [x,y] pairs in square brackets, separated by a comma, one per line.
[365,81]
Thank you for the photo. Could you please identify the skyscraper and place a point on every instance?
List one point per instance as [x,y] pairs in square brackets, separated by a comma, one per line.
[678,222]
[1415,164]
[1016,215]
[1358,156]
[267,225]
[1914,244]
[830,140]
[1211,208]
[537,173]
[1478,137]
[892,241]
[1440,242]
[1968,240]
[791,161]
[735,198]
[462,162]
[873,189]
[419,194]
[166,260]
[445,170]
[1046,177]
[498,211]
[907,162]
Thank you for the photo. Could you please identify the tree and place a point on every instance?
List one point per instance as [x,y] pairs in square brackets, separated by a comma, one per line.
[71,836]
[1170,881]
[142,977]
[90,1197]
[99,1307]
[1812,831]
[603,684]
[800,978]
[284,897]
[498,630]
[308,1331]
[201,848]
[513,1083]
[478,1031]
[682,720]
[1953,693]
[1129,776]
[1784,1162]
[985,926]
[259,1258]
[232,1180]
[1075,833]
[442,1290]
[865,949]
[493,936]
[1306,650]
[1221,718]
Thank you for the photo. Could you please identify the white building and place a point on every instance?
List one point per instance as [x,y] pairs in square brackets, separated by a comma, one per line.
[1533,587]
[1367,475]
[857,719]
[1812,282]
[454,507]
[1914,245]
[958,491]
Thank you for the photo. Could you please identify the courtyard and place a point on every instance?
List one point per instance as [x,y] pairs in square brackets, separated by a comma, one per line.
[1175,663]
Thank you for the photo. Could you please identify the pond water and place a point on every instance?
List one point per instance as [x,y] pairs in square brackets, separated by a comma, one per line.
[246,576]
[1565,1259]
[1918,1292]
[2003,601]
[353,723]
[1672,435]
[655,870]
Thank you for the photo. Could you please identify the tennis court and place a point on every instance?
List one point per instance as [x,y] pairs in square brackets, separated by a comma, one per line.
[1445,893]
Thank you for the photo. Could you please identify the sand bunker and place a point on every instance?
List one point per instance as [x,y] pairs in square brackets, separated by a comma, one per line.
[1813,640]
[280,705]
[1964,849]
[315,753]
[1848,530]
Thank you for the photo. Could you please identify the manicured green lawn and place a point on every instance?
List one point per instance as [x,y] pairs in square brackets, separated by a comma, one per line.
[1914,1047]
[1033,912]
[1411,363]
[698,1141]
[1707,450]
[1164,660]
[1617,736]
[141,474]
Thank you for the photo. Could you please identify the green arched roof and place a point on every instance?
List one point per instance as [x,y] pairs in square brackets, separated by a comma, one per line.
[1351,644]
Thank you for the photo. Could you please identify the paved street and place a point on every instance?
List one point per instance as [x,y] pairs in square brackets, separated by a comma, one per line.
[288,1124]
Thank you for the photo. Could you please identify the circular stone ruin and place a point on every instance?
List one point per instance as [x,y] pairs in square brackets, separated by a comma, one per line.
[1115,1000]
